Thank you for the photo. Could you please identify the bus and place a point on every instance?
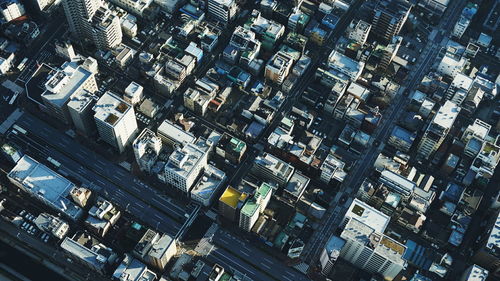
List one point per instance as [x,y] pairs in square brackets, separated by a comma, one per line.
[19,129]
[22,65]
[13,99]
[54,162]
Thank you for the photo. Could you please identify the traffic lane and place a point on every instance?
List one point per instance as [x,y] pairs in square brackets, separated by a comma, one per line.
[108,190]
[97,163]
[228,261]
[255,256]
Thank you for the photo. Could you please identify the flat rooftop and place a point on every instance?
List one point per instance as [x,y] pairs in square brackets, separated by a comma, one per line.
[446,115]
[63,83]
[368,215]
[110,108]
[175,133]
[183,160]
[45,184]
[231,197]
[80,101]
[209,183]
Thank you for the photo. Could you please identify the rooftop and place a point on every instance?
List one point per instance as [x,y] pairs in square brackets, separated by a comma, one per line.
[81,100]
[253,204]
[209,183]
[297,185]
[175,133]
[232,196]
[183,160]
[368,215]
[345,64]
[110,108]
[446,115]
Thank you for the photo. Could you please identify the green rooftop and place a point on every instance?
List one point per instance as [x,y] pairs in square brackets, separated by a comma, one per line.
[251,205]
[237,145]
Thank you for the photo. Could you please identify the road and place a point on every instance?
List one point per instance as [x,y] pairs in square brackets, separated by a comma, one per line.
[335,212]
[110,180]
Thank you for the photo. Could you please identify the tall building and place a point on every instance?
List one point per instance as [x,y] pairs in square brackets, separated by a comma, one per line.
[147,147]
[93,21]
[80,109]
[255,206]
[115,120]
[372,251]
[359,31]
[184,166]
[222,10]
[438,129]
[11,9]
[474,273]
[278,67]
[330,254]
[389,16]
[271,168]
[230,202]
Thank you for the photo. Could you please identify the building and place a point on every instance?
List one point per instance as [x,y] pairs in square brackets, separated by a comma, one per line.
[208,185]
[102,216]
[80,195]
[184,166]
[106,29]
[345,65]
[464,20]
[45,5]
[359,31]
[11,9]
[364,213]
[436,7]
[79,14]
[174,135]
[332,168]
[230,202]
[438,129]
[330,254]
[51,224]
[269,167]
[6,63]
[389,16]
[296,187]
[451,64]
[161,252]
[231,148]
[64,83]
[45,185]
[133,93]
[136,7]
[488,254]
[147,147]
[474,273]
[115,120]
[255,206]
[401,139]
[372,251]
[278,67]
[87,250]
[222,10]
[80,110]
[397,183]
[131,269]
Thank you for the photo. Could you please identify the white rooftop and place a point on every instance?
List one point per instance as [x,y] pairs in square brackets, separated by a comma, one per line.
[462,81]
[63,83]
[183,160]
[398,179]
[494,238]
[477,273]
[209,183]
[173,132]
[110,108]
[345,64]
[368,215]
[80,101]
[446,115]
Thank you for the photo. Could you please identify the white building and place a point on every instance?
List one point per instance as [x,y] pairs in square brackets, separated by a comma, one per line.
[271,168]
[184,166]
[345,65]
[115,120]
[372,251]
[42,4]
[359,31]
[330,254]
[147,147]
[45,185]
[366,214]
[161,252]
[208,186]
[133,93]
[88,251]
[438,129]
[278,67]
[80,109]
[106,29]
[255,206]
[174,135]
[51,224]
[131,269]
[79,14]
[397,183]
[451,65]
[222,10]
[331,168]
[6,63]
[65,50]
[136,7]
[12,9]
[474,273]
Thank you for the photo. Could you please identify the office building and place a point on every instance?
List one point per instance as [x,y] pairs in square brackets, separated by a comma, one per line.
[389,16]
[359,31]
[208,185]
[173,135]
[269,167]
[451,64]
[436,7]
[222,10]
[231,148]
[64,83]
[438,129]
[474,273]
[230,202]
[278,67]
[87,250]
[136,7]
[131,269]
[345,65]
[106,29]
[52,225]
[397,183]
[115,120]
[184,166]
[372,251]
[296,187]
[330,254]
[45,185]
[147,147]
[11,9]
[80,110]
[133,93]
[255,206]
[80,195]
[332,168]
[401,139]
[366,214]
[161,252]
[102,216]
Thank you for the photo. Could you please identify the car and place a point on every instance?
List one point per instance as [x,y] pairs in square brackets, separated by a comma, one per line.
[22,212]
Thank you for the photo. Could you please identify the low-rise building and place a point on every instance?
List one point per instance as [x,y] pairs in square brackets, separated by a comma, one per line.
[208,185]
[131,269]
[102,216]
[231,148]
[174,135]
[87,250]
[51,224]
[271,168]
[133,93]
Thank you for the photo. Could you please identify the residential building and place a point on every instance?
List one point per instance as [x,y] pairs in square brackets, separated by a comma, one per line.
[87,250]
[359,31]
[451,64]
[106,29]
[131,269]
[231,148]
[161,252]
[6,63]
[271,168]
[464,20]
[136,7]
[147,147]
[459,89]
[174,135]
[133,93]
[52,225]
[79,14]
[255,206]
[278,67]
[197,100]
[401,139]
[222,10]
[230,202]
[45,185]
[11,9]
[208,185]
[389,16]
[479,129]
[330,254]
[345,65]
[372,251]
[102,216]
[474,273]
[80,110]
[438,129]
[184,166]
[436,7]
[115,120]
[332,168]
[80,195]
[397,183]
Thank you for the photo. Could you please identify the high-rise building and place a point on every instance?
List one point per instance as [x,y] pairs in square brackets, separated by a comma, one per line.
[230,202]
[79,14]
[255,206]
[271,168]
[147,147]
[330,254]
[359,31]
[438,129]
[80,110]
[115,120]
[184,166]
[372,251]
[389,16]
[222,10]
[11,9]
[278,67]
[106,29]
